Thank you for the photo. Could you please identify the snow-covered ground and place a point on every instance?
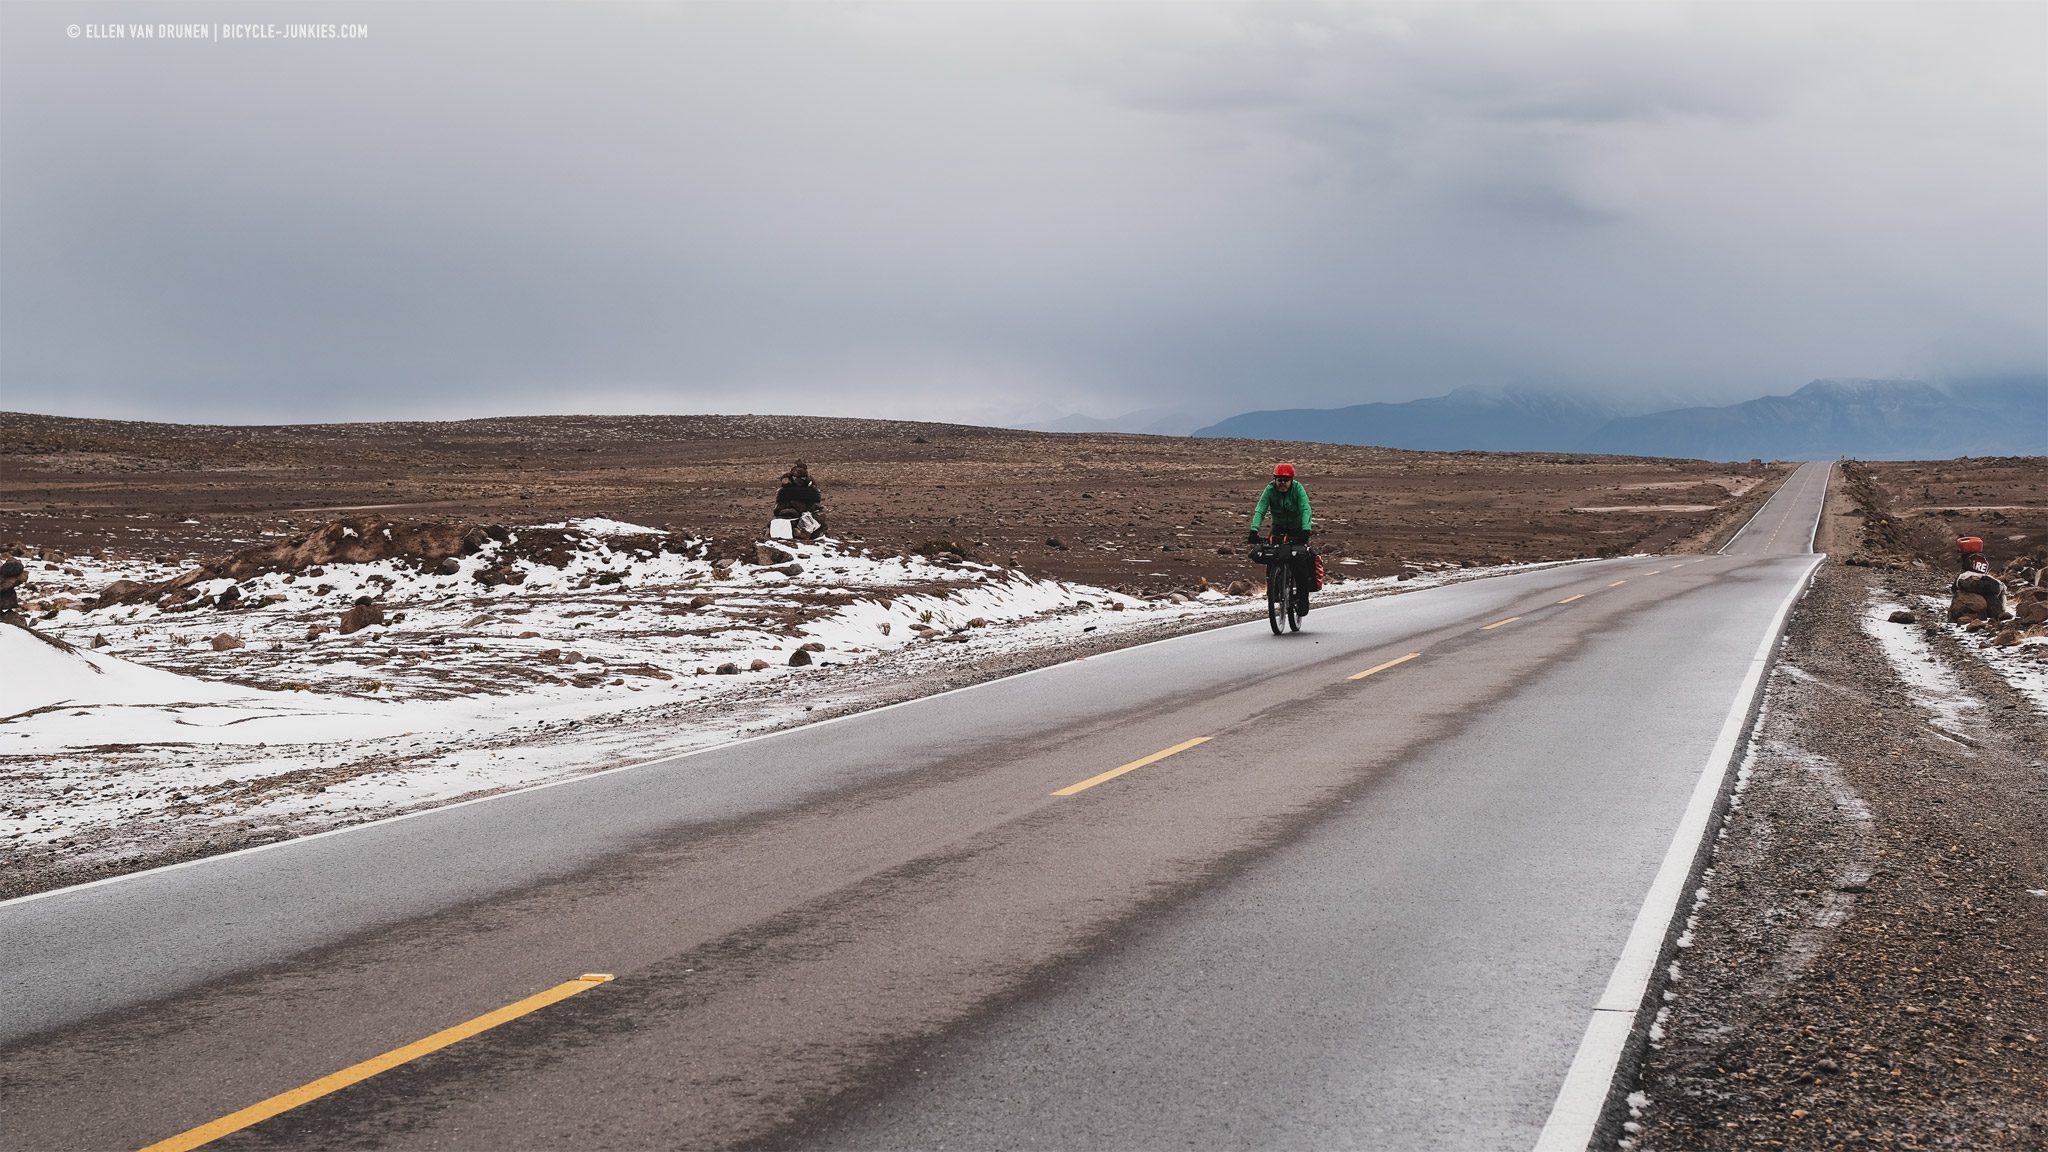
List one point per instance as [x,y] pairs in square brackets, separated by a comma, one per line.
[148,731]
[2020,665]
[1930,681]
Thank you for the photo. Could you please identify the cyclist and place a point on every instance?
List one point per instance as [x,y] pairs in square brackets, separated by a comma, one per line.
[1287,500]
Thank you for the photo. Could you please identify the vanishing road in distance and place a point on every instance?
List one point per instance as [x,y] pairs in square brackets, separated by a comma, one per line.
[1388,882]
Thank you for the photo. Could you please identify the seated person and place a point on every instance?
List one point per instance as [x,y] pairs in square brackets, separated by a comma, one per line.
[799,496]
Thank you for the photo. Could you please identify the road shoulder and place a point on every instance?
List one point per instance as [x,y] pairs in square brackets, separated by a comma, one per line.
[1863,963]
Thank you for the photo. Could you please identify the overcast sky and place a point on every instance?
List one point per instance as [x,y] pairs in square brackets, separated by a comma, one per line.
[993,212]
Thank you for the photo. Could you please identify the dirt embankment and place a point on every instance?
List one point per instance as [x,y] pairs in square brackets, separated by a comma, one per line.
[1145,514]
[1913,511]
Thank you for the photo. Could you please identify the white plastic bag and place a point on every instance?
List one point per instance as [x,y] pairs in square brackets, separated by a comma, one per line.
[780,529]
[810,524]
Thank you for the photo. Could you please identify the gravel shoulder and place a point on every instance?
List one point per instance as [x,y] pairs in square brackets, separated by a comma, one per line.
[1868,965]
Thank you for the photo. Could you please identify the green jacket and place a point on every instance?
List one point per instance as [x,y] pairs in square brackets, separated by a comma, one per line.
[1289,506]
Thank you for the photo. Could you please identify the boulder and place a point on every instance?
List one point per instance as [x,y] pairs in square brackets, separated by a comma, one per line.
[449,566]
[223,642]
[500,574]
[728,669]
[799,658]
[121,591]
[759,665]
[1963,605]
[2031,611]
[99,641]
[1239,588]
[360,617]
[1985,587]
[1902,617]
[229,598]
[791,569]
[814,646]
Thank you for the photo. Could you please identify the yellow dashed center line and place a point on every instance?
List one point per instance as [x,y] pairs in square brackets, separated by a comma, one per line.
[1617,583]
[1133,766]
[355,1073]
[1653,571]
[1569,599]
[1499,623]
[1384,667]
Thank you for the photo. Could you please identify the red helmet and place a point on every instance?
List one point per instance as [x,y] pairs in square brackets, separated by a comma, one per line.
[1286,470]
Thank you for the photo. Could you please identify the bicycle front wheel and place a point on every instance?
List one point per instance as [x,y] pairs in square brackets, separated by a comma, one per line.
[1279,597]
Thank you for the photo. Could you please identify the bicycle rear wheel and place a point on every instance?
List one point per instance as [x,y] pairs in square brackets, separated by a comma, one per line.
[1293,605]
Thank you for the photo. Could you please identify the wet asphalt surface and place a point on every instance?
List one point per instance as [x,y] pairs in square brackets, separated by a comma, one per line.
[1366,912]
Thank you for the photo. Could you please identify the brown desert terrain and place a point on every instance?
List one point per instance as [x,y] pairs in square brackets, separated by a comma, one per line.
[1141,513]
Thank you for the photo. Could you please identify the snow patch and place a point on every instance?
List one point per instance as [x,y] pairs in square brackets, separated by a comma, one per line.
[604,526]
[1931,683]
[611,658]
[2022,665]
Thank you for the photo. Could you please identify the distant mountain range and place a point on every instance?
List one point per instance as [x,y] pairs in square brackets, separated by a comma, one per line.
[1869,419]
[1477,419]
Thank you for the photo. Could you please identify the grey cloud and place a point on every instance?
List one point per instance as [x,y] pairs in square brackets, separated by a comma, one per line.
[933,210]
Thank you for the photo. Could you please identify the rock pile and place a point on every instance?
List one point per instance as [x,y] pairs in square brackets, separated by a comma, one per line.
[353,540]
[2012,605]
[438,547]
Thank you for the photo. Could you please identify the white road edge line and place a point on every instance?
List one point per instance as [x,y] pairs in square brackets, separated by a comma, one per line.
[719,747]
[1583,1097]
[1827,475]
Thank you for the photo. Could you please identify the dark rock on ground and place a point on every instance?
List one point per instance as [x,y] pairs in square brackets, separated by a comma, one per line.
[360,617]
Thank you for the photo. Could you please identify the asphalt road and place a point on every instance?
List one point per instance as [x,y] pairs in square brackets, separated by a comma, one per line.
[1365,911]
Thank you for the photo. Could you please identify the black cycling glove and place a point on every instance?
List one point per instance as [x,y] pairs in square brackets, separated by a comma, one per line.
[1252,537]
